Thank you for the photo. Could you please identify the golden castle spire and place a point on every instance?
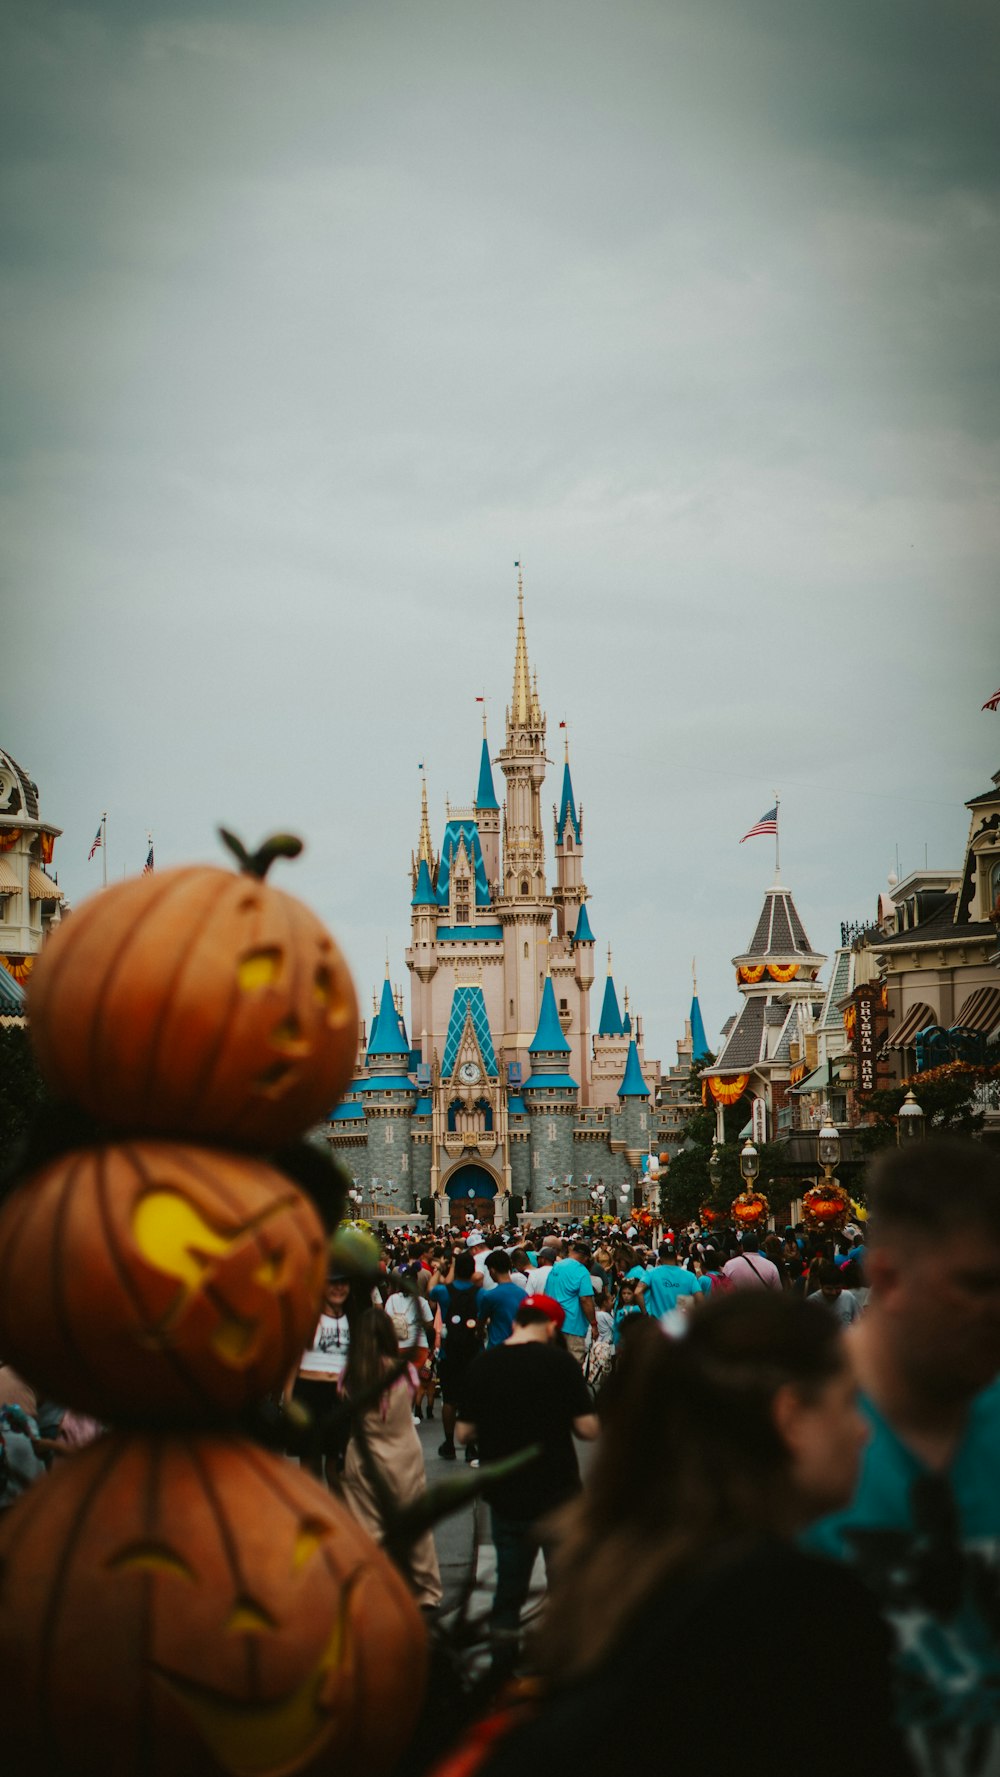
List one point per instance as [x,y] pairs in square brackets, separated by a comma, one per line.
[521,705]
[424,848]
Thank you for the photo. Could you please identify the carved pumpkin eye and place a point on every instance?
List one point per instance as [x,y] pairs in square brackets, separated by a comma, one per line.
[248,1618]
[151,1557]
[309,1539]
[259,968]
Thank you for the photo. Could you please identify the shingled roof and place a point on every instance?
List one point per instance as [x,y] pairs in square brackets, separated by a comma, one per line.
[779,931]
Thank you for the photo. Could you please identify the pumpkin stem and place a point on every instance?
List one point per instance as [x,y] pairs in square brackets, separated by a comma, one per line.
[258,863]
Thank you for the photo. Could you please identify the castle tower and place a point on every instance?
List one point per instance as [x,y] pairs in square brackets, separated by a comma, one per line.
[523,907]
[551,1095]
[421,957]
[487,811]
[570,890]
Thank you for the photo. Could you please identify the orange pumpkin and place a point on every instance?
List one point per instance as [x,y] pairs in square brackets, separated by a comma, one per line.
[196,1605]
[196,1002]
[825,1208]
[750,1209]
[156,1281]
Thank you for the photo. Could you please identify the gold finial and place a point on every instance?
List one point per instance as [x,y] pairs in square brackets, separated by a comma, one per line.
[626,999]
[566,739]
[387,959]
[520,711]
[609,959]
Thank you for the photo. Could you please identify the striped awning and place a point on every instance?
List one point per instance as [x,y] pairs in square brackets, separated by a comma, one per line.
[42,887]
[917,1018]
[981,1011]
[10,882]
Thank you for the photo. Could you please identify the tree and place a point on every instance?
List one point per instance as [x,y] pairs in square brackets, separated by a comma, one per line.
[22,1090]
[946,1095]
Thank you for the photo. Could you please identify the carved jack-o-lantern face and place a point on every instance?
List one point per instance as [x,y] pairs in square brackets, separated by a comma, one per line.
[197,1605]
[157,1281]
[750,1209]
[196,1002]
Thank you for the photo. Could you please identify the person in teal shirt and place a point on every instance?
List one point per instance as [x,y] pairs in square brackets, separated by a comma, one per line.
[571,1285]
[663,1286]
[923,1529]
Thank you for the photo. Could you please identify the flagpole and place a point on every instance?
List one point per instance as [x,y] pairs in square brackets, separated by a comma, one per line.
[777,839]
[104,847]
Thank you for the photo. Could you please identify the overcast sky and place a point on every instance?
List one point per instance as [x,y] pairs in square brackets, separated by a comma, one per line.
[318,315]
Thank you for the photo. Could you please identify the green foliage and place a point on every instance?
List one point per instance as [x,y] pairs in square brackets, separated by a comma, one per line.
[946,1096]
[22,1089]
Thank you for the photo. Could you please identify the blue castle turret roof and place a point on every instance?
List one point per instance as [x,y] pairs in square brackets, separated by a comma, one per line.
[567,809]
[549,1038]
[388,1037]
[486,796]
[633,1085]
[611,1018]
[423,894]
[583,933]
[699,1041]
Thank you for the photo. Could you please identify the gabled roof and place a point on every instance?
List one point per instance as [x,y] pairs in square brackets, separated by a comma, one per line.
[423,894]
[779,933]
[611,1018]
[387,1036]
[486,796]
[742,1047]
[633,1085]
[567,810]
[839,988]
[583,933]
[549,1038]
[455,832]
[699,1041]
[468,1002]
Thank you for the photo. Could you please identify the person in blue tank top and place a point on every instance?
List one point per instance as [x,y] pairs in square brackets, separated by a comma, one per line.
[923,1529]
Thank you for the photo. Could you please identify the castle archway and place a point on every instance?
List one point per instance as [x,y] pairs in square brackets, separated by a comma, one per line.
[471,1190]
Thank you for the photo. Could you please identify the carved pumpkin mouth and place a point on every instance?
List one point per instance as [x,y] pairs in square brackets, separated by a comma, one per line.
[264,1739]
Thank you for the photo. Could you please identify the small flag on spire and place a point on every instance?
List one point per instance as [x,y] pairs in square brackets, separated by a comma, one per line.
[562,724]
[480,700]
[768,823]
[98,842]
[992,703]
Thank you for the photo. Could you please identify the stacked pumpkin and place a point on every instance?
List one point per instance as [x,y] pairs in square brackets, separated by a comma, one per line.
[175,1597]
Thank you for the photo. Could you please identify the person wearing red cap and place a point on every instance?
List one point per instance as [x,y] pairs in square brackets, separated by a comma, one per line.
[526,1392]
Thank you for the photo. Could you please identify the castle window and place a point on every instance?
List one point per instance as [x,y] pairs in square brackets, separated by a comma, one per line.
[524,885]
[552,1132]
[525,958]
[389,1135]
[995,884]
[564,1005]
[511,1008]
[569,842]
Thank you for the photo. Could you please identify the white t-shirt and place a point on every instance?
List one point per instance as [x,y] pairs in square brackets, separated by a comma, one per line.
[327,1355]
[538,1280]
[417,1312]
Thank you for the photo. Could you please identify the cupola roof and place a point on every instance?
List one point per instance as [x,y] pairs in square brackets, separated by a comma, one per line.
[633,1085]
[387,1036]
[549,1038]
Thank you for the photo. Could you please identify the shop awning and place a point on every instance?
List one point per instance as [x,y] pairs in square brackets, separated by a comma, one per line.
[10,882]
[981,1011]
[917,1018]
[42,887]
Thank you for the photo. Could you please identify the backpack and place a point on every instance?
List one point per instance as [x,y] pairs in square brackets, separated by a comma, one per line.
[461,1328]
[401,1325]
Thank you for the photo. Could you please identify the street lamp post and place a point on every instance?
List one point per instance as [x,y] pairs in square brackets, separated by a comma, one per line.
[826,1205]
[828,1149]
[911,1122]
[749,1163]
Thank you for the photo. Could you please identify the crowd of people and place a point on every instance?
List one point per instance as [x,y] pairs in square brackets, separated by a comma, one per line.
[792,1502]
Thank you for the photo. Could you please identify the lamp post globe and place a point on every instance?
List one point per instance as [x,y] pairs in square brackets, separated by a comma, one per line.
[828,1147]
[911,1122]
[749,1162]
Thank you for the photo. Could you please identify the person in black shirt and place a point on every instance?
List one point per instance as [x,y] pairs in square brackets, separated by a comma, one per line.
[676,1572]
[522,1394]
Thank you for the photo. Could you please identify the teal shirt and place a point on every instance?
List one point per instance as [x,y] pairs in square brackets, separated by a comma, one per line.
[928,1546]
[568,1282]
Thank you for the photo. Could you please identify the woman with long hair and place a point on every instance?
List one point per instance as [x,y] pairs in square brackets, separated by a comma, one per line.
[676,1573]
[384,1469]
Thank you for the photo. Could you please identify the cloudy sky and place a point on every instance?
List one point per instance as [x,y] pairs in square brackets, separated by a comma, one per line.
[318,313]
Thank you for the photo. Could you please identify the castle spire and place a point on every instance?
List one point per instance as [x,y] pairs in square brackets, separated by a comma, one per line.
[424,851]
[486,796]
[521,704]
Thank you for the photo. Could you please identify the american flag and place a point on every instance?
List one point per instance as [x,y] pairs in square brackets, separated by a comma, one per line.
[768,823]
[992,703]
[98,842]
[147,869]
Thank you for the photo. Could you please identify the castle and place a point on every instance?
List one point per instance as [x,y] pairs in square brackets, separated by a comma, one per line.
[502,1097]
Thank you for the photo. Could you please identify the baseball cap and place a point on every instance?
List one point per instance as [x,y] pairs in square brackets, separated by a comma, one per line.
[547,1305]
[475,1240]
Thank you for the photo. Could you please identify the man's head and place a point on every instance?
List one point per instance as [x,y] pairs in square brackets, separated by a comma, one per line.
[830,1281]
[750,1243]
[580,1250]
[475,1241]
[465,1268]
[498,1266]
[551,1243]
[666,1252]
[541,1317]
[933,1261]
